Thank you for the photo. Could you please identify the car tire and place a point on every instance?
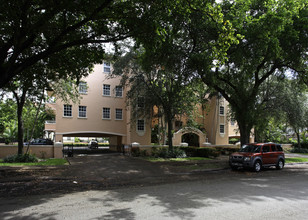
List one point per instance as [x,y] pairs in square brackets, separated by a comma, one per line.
[280,164]
[257,166]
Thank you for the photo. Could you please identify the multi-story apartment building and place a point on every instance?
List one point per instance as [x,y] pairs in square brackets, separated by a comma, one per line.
[102,112]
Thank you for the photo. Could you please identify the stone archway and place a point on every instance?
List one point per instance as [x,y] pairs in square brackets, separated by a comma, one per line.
[177,137]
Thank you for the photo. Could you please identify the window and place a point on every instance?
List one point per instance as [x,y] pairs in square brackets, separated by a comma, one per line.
[222,129]
[106,67]
[83,87]
[118,91]
[266,149]
[82,113]
[119,114]
[106,113]
[221,110]
[106,90]
[67,111]
[140,125]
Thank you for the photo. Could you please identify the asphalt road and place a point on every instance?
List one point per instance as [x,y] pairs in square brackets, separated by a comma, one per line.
[224,194]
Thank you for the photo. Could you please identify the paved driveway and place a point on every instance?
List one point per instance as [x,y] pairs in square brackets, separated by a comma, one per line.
[272,194]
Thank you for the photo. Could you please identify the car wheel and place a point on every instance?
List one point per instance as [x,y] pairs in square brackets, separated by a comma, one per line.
[280,165]
[257,166]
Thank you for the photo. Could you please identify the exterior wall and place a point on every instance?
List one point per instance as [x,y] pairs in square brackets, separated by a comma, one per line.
[177,137]
[214,119]
[94,125]
[41,151]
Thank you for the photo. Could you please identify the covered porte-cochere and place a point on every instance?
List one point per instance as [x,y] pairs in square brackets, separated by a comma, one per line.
[115,139]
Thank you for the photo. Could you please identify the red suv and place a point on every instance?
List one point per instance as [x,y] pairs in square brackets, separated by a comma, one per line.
[256,156]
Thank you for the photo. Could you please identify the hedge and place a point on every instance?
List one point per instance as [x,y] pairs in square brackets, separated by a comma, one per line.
[200,151]
[303,145]
[83,144]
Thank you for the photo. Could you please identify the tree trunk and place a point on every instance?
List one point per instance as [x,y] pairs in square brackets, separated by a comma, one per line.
[244,131]
[20,129]
[170,134]
[20,105]
[298,139]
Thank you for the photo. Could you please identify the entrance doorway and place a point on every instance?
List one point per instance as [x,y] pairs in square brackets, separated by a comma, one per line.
[191,138]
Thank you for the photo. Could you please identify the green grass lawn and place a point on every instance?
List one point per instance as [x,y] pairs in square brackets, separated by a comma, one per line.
[154,159]
[296,160]
[48,162]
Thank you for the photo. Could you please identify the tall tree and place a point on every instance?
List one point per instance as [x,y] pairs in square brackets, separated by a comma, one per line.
[273,40]
[168,90]
[44,31]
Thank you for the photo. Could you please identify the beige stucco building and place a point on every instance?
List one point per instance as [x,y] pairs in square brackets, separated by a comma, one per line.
[102,112]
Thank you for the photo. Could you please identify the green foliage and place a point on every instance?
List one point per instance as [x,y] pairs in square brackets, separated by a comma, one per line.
[299,150]
[268,33]
[48,162]
[136,152]
[227,150]
[303,145]
[200,151]
[25,158]
[76,140]
[233,140]
[164,152]
[296,160]
[10,132]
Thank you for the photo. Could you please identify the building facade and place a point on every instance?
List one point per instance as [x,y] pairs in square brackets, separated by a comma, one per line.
[102,112]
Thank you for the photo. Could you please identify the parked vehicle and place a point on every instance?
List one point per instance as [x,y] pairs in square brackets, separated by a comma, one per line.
[93,144]
[256,156]
[41,141]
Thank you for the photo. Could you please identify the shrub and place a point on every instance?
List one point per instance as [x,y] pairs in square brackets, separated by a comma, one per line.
[233,140]
[299,150]
[227,150]
[25,158]
[200,151]
[303,145]
[164,152]
[135,152]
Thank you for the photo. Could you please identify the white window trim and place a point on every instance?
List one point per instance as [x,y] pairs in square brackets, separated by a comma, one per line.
[85,111]
[109,90]
[141,132]
[117,119]
[223,109]
[109,113]
[116,91]
[86,87]
[65,116]
[224,129]
[106,67]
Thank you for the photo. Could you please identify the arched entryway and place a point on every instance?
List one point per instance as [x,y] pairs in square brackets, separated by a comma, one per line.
[192,136]
[191,139]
